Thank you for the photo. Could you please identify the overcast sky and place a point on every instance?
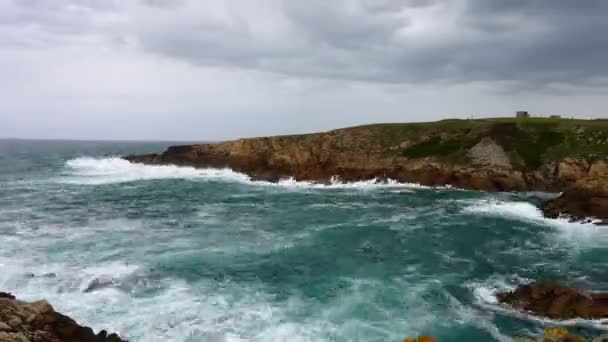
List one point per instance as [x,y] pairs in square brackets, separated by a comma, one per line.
[218,69]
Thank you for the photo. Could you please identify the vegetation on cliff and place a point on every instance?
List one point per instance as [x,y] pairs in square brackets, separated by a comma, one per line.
[500,154]
[530,142]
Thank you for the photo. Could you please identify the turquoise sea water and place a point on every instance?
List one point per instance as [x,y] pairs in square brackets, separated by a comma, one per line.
[178,254]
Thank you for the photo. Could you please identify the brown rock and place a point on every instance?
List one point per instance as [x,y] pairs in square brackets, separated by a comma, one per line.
[484,162]
[41,306]
[598,169]
[5,327]
[554,301]
[571,170]
[419,339]
[40,323]
[588,197]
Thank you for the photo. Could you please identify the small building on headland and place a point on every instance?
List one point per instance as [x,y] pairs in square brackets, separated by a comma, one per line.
[522,114]
[555,116]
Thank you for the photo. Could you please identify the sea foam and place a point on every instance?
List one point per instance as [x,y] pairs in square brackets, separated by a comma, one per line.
[99,171]
[517,210]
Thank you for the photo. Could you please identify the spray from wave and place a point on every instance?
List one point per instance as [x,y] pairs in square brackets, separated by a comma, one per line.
[521,211]
[99,171]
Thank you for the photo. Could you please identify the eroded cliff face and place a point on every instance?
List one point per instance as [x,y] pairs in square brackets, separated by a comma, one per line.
[457,158]
[586,197]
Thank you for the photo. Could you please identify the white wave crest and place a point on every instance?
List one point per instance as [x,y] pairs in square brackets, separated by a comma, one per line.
[336,183]
[492,207]
[522,211]
[485,296]
[98,171]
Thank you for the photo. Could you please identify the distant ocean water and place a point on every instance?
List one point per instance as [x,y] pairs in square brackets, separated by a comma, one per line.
[163,253]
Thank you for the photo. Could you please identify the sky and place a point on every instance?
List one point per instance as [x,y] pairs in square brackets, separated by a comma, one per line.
[222,69]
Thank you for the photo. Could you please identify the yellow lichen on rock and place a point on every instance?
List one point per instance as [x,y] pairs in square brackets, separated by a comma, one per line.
[556,332]
[419,339]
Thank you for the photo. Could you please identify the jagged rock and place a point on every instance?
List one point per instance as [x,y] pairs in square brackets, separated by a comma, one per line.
[488,152]
[598,169]
[557,302]
[570,170]
[588,197]
[486,156]
[39,322]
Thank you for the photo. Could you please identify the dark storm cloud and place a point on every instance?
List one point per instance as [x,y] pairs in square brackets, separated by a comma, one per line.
[388,41]
[515,40]
[560,40]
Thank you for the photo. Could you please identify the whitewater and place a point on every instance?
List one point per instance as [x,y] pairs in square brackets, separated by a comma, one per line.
[166,253]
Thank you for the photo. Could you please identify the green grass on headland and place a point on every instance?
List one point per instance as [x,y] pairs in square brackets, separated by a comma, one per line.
[530,141]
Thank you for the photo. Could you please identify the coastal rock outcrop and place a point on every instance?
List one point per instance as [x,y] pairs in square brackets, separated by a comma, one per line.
[586,198]
[560,335]
[554,301]
[499,155]
[39,322]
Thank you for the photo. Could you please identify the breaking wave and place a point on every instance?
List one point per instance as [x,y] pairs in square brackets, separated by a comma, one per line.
[521,211]
[99,171]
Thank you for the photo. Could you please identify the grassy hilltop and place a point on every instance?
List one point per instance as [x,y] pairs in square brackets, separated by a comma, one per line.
[530,142]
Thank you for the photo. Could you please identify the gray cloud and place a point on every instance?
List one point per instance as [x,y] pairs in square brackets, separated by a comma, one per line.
[392,41]
[402,41]
[185,68]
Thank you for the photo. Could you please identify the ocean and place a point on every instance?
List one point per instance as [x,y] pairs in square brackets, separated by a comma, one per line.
[164,253]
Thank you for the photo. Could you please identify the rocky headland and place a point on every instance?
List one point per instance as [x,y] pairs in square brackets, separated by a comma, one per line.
[534,154]
[38,322]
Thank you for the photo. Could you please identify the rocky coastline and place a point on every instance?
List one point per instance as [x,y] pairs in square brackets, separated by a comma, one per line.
[555,301]
[559,303]
[39,322]
[489,156]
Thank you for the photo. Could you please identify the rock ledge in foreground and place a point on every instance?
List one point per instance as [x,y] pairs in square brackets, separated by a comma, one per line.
[39,322]
[554,301]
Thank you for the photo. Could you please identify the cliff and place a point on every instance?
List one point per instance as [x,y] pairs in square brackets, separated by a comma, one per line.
[39,322]
[488,154]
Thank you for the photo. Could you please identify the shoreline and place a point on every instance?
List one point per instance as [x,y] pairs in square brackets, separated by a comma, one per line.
[39,322]
[503,155]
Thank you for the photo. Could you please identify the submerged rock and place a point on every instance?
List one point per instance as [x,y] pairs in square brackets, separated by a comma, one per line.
[39,322]
[419,339]
[554,301]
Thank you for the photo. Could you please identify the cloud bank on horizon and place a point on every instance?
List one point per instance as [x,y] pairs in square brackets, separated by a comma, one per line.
[210,69]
